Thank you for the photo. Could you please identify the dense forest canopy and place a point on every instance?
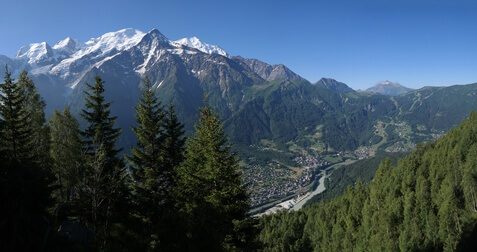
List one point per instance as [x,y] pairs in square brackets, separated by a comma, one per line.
[427,202]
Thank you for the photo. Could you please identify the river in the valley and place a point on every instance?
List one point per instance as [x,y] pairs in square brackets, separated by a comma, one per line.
[321,184]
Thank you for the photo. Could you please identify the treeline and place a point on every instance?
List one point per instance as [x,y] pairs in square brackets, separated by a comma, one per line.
[67,188]
[428,202]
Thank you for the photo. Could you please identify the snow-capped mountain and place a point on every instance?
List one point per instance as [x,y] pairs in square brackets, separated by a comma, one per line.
[35,53]
[67,64]
[69,56]
[181,71]
[194,42]
[389,88]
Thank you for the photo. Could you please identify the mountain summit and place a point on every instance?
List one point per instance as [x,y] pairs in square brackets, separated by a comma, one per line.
[332,84]
[194,42]
[180,71]
[389,88]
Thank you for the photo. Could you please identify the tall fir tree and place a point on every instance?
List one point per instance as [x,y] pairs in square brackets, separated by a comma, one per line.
[35,105]
[212,197]
[25,192]
[173,144]
[103,200]
[16,129]
[100,129]
[67,155]
[154,162]
[172,153]
[147,164]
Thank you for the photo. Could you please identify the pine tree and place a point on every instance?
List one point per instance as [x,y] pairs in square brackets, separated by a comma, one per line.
[25,194]
[35,105]
[209,186]
[149,183]
[154,161]
[103,199]
[16,130]
[172,153]
[146,156]
[173,144]
[100,130]
[66,154]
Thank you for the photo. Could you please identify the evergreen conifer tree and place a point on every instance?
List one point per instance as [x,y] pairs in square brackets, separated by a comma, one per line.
[66,154]
[16,130]
[100,129]
[24,187]
[154,161]
[35,105]
[147,164]
[172,153]
[103,198]
[173,145]
[212,197]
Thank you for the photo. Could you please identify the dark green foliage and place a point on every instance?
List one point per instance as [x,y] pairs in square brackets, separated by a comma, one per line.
[24,184]
[16,124]
[256,156]
[100,129]
[290,110]
[153,163]
[363,170]
[35,105]
[102,202]
[211,198]
[426,202]
[146,159]
[67,155]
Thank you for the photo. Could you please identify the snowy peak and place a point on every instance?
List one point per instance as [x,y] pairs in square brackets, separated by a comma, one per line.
[389,88]
[35,52]
[69,59]
[156,34]
[68,51]
[39,54]
[68,45]
[194,42]
[120,40]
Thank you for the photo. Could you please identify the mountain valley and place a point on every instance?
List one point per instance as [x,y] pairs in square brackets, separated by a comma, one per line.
[284,127]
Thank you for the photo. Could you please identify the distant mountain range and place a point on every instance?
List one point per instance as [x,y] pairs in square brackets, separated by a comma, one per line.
[256,100]
[389,88]
[271,114]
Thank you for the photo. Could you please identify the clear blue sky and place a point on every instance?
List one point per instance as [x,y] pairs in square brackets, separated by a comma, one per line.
[416,43]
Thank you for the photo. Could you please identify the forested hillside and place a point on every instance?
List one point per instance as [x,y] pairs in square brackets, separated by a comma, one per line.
[427,202]
[348,175]
[63,188]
